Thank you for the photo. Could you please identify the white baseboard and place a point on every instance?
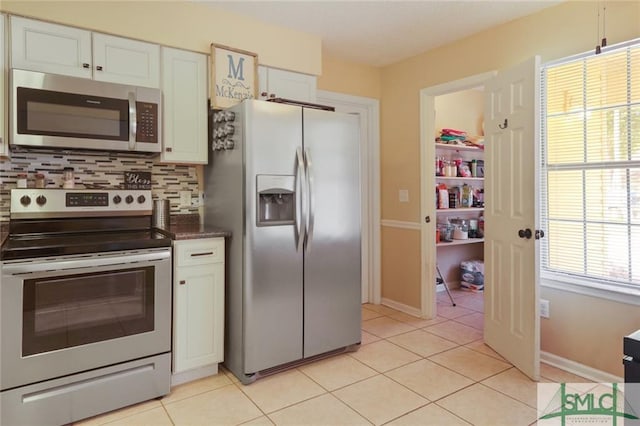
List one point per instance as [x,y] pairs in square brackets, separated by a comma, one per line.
[579,369]
[402,307]
[195,374]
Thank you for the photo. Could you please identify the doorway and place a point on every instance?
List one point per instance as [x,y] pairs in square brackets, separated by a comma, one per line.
[368,110]
[446,96]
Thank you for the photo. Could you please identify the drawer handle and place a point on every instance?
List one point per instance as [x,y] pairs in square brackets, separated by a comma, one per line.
[209,253]
[182,282]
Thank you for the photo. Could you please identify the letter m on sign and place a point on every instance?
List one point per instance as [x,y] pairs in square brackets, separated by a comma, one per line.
[235,71]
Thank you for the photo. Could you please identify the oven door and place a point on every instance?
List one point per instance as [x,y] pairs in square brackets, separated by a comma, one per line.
[70,314]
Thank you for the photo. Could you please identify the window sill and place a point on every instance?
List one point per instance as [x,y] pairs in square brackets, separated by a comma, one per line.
[591,288]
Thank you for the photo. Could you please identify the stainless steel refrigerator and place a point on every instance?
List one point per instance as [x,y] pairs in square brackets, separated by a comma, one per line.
[286,182]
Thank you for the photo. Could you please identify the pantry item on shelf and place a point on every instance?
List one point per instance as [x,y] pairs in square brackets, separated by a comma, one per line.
[443,196]
[474,168]
[460,234]
[466,196]
[454,197]
[463,170]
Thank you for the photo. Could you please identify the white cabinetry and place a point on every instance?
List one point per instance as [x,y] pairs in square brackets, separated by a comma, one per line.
[184,87]
[121,60]
[3,91]
[198,304]
[275,83]
[59,49]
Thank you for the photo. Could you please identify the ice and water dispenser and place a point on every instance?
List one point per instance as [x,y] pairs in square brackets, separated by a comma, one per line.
[276,200]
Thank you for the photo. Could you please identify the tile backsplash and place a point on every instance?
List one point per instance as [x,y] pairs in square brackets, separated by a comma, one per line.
[95,172]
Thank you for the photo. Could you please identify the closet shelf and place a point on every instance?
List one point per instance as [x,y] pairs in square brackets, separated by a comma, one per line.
[460,242]
[461,209]
[458,147]
[459,178]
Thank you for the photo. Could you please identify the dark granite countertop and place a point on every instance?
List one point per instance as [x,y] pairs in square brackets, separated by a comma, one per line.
[188,227]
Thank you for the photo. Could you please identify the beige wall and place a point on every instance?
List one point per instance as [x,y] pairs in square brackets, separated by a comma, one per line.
[563,30]
[586,329]
[349,78]
[462,110]
[182,24]
[397,267]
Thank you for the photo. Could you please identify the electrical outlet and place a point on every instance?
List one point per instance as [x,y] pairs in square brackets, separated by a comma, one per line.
[197,202]
[185,198]
[544,308]
[403,195]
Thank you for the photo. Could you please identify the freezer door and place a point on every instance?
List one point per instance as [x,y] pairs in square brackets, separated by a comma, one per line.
[332,254]
[273,261]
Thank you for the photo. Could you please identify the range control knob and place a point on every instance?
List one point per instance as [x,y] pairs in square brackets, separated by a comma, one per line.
[25,200]
[141,199]
[129,199]
[117,199]
[41,200]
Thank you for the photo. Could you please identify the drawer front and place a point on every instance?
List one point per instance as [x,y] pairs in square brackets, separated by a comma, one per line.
[199,252]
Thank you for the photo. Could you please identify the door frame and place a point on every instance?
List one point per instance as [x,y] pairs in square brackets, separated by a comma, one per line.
[428,182]
[369,110]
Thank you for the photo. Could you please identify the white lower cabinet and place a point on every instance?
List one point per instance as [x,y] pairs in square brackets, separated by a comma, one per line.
[198,305]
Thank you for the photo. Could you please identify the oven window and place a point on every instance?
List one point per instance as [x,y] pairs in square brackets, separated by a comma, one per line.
[72,310]
[45,112]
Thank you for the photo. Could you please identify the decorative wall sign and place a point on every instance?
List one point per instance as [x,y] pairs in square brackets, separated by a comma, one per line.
[234,76]
[137,180]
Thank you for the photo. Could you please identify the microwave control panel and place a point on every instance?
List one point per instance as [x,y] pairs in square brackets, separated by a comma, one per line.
[147,122]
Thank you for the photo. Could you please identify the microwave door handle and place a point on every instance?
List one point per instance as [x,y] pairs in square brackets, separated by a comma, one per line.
[133,123]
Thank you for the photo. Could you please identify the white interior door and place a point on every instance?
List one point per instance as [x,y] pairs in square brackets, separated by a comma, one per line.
[512,323]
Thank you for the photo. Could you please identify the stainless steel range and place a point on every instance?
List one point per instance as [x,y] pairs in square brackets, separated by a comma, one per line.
[85,305]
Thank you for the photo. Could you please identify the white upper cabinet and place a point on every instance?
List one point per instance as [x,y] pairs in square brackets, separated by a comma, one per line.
[58,49]
[184,87]
[126,61]
[3,83]
[275,83]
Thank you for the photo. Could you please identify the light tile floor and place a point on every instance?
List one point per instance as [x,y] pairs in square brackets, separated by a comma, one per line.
[408,371]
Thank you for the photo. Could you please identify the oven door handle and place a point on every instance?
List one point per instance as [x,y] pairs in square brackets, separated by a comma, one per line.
[81,262]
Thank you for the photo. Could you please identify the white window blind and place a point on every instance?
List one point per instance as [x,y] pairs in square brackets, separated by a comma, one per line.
[590,171]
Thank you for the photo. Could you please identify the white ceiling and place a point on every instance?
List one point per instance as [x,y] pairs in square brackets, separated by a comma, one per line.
[379,33]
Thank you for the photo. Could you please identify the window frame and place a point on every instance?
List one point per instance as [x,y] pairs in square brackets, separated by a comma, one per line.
[625,292]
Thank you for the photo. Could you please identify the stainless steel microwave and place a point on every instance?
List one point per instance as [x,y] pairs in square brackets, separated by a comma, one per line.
[53,111]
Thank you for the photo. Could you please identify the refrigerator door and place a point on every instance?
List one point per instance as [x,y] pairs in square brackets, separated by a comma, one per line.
[273,261]
[332,307]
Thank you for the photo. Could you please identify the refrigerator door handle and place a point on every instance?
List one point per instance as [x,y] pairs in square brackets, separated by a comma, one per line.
[310,216]
[300,200]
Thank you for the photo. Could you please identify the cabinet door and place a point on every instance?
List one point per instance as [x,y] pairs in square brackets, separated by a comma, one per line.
[41,46]
[198,304]
[184,86]
[289,85]
[3,82]
[126,61]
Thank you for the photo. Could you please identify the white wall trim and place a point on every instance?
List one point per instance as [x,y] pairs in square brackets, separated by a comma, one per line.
[400,224]
[579,369]
[372,260]
[631,297]
[402,307]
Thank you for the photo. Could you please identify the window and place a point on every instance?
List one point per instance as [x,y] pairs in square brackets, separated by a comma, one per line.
[590,171]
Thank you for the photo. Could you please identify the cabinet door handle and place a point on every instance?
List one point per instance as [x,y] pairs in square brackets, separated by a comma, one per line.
[209,253]
[99,67]
[182,282]
[264,94]
[85,65]
[168,149]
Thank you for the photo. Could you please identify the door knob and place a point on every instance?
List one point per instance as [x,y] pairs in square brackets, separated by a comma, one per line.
[539,234]
[525,233]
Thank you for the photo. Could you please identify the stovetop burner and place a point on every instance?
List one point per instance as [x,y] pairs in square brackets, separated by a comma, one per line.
[54,222]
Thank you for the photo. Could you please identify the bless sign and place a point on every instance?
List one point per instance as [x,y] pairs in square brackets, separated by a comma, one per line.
[234,76]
